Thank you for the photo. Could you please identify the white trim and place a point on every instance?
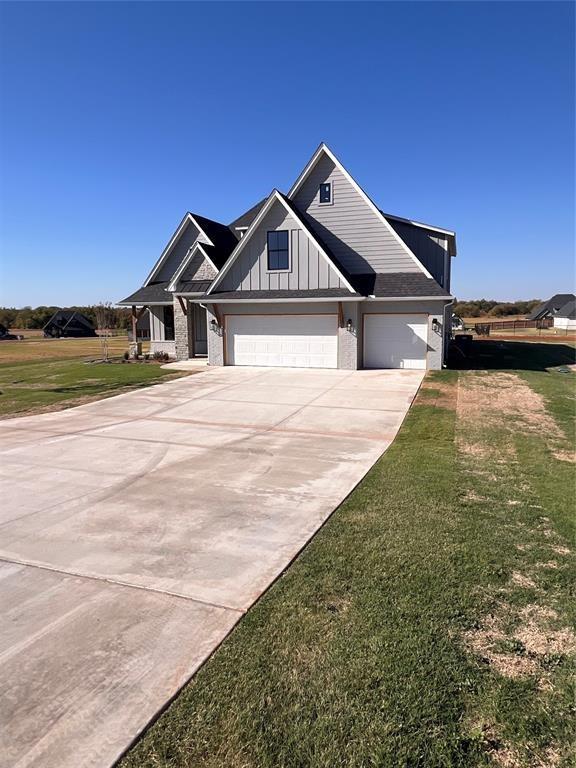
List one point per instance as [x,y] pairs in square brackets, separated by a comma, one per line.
[275,196]
[300,180]
[294,300]
[186,260]
[165,253]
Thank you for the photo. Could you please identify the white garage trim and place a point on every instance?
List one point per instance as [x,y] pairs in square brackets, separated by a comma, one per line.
[380,351]
[284,341]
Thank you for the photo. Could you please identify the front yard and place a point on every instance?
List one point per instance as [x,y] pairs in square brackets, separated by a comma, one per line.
[32,387]
[429,623]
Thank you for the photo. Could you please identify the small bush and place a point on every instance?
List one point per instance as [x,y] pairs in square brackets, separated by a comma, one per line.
[126,355]
[161,356]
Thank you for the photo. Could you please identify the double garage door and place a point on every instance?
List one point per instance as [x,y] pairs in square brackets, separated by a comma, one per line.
[311,341]
[295,341]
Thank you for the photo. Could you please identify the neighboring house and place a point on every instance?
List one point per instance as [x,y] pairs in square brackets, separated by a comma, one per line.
[67,323]
[565,317]
[551,307]
[316,278]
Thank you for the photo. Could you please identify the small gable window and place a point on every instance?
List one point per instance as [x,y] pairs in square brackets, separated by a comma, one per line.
[278,251]
[326,192]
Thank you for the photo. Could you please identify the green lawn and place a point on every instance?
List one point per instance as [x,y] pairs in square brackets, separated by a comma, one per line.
[429,622]
[32,386]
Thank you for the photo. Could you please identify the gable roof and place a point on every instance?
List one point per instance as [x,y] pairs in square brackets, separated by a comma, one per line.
[276,196]
[213,232]
[324,150]
[209,252]
[68,318]
[247,218]
[551,306]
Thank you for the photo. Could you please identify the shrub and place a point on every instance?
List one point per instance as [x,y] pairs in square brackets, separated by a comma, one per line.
[161,356]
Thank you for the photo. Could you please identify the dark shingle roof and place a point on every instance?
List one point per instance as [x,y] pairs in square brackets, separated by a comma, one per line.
[247,218]
[194,286]
[316,293]
[398,285]
[223,239]
[568,310]
[154,293]
[551,306]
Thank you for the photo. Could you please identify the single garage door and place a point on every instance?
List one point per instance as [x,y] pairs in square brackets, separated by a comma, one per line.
[296,341]
[395,341]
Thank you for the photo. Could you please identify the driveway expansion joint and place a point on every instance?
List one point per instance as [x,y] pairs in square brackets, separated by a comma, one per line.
[119,583]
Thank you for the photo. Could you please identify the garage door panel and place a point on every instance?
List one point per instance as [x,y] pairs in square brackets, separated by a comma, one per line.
[296,341]
[395,341]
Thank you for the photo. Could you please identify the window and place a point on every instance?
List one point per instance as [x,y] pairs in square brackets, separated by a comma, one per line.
[278,253]
[326,192]
[168,323]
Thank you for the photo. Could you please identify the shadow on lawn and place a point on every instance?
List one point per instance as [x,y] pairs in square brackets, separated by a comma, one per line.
[512,355]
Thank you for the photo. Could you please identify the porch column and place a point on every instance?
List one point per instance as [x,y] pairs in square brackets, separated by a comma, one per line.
[181,337]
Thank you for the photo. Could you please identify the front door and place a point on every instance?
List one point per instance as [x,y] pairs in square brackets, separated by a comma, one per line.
[199,330]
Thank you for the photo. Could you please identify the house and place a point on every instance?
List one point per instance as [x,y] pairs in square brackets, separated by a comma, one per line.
[551,307]
[67,323]
[319,277]
[565,317]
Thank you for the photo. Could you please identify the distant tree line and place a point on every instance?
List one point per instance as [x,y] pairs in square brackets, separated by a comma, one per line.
[483,307]
[37,317]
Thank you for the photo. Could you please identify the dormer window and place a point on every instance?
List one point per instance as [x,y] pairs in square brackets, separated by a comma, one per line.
[278,251]
[325,193]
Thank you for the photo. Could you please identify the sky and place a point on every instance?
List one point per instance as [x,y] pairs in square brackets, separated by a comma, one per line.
[117,118]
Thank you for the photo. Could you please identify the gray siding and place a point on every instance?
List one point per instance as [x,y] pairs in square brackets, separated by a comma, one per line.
[177,254]
[357,237]
[308,268]
[430,247]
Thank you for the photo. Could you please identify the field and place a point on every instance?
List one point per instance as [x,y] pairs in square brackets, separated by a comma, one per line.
[35,347]
[39,374]
[430,622]
[554,335]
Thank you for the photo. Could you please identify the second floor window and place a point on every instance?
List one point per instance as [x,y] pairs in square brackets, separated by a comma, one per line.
[278,251]
[326,192]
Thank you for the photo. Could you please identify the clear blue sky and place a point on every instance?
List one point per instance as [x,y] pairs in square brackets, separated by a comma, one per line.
[119,117]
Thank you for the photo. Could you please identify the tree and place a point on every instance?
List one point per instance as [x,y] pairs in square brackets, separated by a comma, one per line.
[104,314]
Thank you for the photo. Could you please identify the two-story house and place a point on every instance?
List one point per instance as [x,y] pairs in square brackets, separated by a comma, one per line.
[319,277]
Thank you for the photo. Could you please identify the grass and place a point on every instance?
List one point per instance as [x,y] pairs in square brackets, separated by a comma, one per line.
[38,374]
[28,387]
[428,623]
[35,347]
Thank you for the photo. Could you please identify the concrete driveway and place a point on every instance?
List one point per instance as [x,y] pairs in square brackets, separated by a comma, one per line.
[136,531]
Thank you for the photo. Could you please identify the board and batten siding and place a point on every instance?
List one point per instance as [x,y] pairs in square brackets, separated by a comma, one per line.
[308,268]
[356,236]
[430,247]
[179,250]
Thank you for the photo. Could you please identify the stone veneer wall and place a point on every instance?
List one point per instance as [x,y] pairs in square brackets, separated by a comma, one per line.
[215,341]
[181,330]
[348,340]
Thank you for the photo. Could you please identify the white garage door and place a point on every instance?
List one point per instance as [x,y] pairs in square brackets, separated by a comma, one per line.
[395,341]
[296,341]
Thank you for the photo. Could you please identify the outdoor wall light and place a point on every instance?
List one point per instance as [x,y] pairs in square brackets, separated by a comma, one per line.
[436,325]
[213,325]
[349,326]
